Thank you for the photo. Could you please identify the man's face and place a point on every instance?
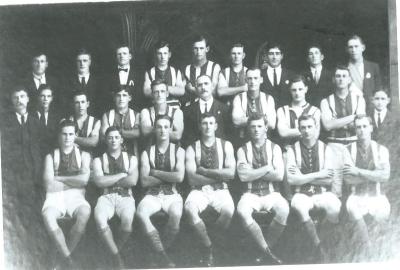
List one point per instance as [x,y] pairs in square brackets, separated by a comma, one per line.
[45,98]
[81,104]
[274,57]
[122,99]
[254,80]
[208,126]
[298,91]
[308,129]
[342,79]
[355,48]
[363,128]
[20,100]
[39,64]
[257,129]
[83,62]
[237,55]
[380,100]
[67,136]
[163,127]
[160,93]
[114,140]
[204,87]
[200,50]
[162,56]
[123,56]
[315,57]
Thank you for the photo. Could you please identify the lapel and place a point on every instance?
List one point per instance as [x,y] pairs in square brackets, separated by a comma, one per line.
[367,68]
[266,79]
[284,77]
[309,77]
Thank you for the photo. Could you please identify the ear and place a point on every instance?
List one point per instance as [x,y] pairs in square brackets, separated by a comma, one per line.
[363,47]
[207,49]
[130,97]
[244,55]
[130,56]
[88,103]
[322,57]
[216,126]
[169,55]
[389,100]
[261,79]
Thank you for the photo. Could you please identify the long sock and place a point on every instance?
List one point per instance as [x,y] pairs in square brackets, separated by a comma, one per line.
[108,238]
[312,232]
[170,233]
[274,232]
[257,235]
[201,231]
[59,240]
[75,235]
[155,241]
[361,231]
[123,236]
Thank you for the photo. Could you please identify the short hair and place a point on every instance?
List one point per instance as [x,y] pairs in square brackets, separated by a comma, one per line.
[38,53]
[362,116]
[158,82]
[354,36]
[18,88]
[204,75]
[253,69]
[199,38]
[298,78]
[256,117]
[80,93]
[315,45]
[273,45]
[382,90]
[65,123]
[123,45]
[45,87]
[237,45]
[161,44]
[83,51]
[122,87]
[207,115]
[163,117]
[305,117]
[111,129]
[340,67]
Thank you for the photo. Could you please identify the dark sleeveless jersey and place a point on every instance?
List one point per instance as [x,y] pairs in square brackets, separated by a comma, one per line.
[207,69]
[87,126]
[365,160]
[124,121]
[68,163]
[236,78]
[169,76]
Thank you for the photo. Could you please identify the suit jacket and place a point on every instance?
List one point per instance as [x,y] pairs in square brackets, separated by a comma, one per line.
[386,134]
[49,131]
[372,79]
[192,115]
[33,92]
[280,93]
[322,89]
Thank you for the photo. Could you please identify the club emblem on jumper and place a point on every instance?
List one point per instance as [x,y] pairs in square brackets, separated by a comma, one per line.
[368,75]
[131,83]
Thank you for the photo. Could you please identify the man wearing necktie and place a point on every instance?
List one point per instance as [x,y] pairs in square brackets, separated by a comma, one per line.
[275,77]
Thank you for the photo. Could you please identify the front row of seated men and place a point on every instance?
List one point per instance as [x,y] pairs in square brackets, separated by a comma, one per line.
[210,165]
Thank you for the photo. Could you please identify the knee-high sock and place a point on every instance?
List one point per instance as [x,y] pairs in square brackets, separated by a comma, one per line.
[201,231]
[257,235]
[274,232]
[312,231]
[108,238]
[170,233]
[75,235]
[361,231]
[59,240]
[123,236]
[155,241]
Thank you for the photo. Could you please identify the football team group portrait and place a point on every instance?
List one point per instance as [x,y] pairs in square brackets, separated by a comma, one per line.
[166,135]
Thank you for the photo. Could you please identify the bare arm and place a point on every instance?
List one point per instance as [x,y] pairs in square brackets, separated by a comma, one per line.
[81,179]
[194,178]
[175,176]
[131,178]
[239,117]
[104,126]
[246,171]
[134,132]
[92,140]
[284,129]
[145,123]
[146,179]
[225,174]
[147,85]
[50,184]
[224,90]
[271,113]
[331,123]
[276,175]
[101,180]
[177,126]
[179,88]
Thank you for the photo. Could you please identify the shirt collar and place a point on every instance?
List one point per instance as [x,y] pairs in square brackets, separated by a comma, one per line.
[382,113]
[128,67]
[19,116]
[209,102]
[278,68]
[37,77]
[318,68]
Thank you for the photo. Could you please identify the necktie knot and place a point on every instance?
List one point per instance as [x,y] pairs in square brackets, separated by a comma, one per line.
[23,119]
[83,81]
[123,69]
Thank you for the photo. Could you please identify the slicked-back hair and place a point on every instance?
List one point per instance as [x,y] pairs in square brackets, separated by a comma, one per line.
[161,44]
[199,38]
[163,117]
[273,45]
[315,45]
[39,53]
[124,45]
[204,75]
[80,93]
[237,45]
[122,87]
[340,67]
[45,87]
[354,36]
[298,78]
[18,88]
[253,69]
[256,117]
[305,117]
[362,116]
[83,51]
[158,82]
[207,115]
[111,129]
[65,123]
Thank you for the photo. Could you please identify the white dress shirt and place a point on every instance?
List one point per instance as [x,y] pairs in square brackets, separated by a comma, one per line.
[316,73]
[86,76]
[39,80]
[203,103]
[46,116]
[19,117]
[270,73]
[382,115]
[123,76]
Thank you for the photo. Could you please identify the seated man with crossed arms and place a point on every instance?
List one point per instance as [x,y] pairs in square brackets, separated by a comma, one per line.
[162,167]
[116,172]
[66,174]
[366,169]
[308,162]
[210,163]
[260,166]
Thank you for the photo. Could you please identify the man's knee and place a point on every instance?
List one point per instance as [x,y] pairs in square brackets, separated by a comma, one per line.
[82,214]
[332,210]
[302,207]
[175,211]
[244,212]
[353,210]
[100,218]
[126,221]
[50,217]
[281,210]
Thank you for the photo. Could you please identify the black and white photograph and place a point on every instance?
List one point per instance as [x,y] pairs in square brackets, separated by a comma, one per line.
[150,134]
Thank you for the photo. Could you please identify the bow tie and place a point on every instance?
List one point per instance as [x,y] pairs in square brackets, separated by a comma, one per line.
[123,69]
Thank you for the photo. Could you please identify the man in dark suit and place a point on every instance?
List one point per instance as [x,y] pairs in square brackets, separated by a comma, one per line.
[205,103]
[85,81]
[39,76]
[365,74]
[319,78]
[276,78]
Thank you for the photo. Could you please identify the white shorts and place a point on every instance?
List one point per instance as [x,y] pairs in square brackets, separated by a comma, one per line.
[113,203]
[66,201]
[217,199]
[266,203]
[325,200]
[155,203]
[359,206]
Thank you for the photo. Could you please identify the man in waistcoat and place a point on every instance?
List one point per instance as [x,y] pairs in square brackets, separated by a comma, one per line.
[116,172]
[162,168]
[162,71]
[260,166]
[366,170]
[210,164]
[308,171]
[66,174]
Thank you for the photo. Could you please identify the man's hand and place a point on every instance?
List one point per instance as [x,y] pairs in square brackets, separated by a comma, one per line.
[294,170]
[201,170]
[326,173]
[350,170]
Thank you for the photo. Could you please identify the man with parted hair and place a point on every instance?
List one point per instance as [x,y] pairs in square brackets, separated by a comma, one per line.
[162,71]
[210,165]
[260,166]
[200,66]
[162,168]
[116,172]
[366,170]
[365,74]
[66,174]
[309,173]
[232,79]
